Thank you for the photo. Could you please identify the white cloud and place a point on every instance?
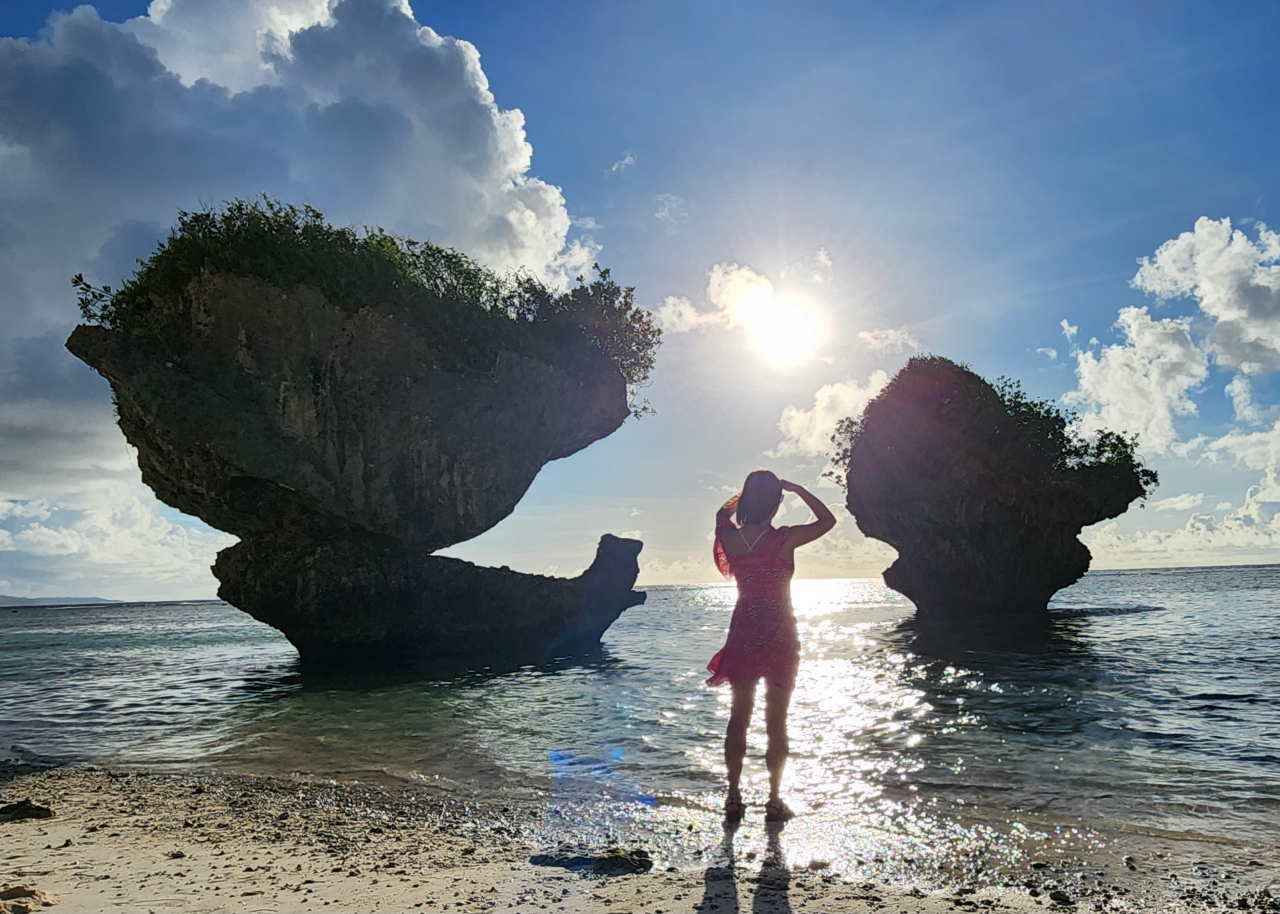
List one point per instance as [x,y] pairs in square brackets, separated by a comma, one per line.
[672,211]
[688,569]
[807,432]
[889,340]
[1143,384]
[1236,283]
[677,314]
[728,284]
[1240,390]
[1183,502]
[1255,450]
[231,43]
[1251,533]
[1048,352]
[113,542]
[623,163]
[35,509]
[1222,506]
[1068,330]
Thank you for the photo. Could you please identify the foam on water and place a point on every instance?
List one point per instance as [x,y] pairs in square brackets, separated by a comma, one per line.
[1152,705]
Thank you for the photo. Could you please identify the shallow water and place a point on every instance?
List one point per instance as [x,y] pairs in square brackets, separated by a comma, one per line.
[1151,707]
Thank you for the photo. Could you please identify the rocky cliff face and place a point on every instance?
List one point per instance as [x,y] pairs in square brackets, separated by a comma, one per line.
[985,518]
[342,453]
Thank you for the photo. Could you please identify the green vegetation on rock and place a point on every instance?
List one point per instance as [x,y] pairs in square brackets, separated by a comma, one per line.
[475,312]
[1046,436]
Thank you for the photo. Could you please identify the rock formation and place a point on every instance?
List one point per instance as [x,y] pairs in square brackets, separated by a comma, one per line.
[342,447]
[983,493]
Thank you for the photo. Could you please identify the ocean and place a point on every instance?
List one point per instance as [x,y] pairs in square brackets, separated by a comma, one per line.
[1149,712]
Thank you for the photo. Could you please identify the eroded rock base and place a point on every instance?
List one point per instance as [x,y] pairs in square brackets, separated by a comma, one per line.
[349,601]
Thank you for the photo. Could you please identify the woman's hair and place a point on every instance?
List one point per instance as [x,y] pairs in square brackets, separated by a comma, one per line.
[761,495]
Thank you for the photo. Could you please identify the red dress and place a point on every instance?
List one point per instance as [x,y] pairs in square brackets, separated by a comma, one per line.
[762,633]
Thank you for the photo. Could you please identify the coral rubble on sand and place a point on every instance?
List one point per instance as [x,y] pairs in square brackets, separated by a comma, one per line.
[983,492]
[346,436]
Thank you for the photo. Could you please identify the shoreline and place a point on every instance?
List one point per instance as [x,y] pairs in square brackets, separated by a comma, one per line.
[225,842]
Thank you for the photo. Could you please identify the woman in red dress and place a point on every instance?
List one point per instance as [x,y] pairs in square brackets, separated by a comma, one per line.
[762,642]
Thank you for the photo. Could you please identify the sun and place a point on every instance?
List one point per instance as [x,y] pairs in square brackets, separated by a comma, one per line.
[781,329]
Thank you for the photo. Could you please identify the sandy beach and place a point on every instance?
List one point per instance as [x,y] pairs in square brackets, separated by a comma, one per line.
[159,842]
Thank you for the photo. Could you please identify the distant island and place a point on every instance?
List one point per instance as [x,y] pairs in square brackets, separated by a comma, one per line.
[347,402]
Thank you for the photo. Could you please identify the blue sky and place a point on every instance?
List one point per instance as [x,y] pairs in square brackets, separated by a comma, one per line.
[955,178]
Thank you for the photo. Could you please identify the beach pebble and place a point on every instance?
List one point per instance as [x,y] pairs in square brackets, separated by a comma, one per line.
[1057,896]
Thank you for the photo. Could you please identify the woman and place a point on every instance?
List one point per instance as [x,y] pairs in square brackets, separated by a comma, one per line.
[762,640]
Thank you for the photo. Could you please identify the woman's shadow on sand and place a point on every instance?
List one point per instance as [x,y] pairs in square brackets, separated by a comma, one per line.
[720,882]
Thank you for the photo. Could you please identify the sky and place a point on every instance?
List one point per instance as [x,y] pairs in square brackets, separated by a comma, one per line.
[805,194]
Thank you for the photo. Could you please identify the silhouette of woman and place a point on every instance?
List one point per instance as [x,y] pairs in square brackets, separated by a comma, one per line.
[762,641]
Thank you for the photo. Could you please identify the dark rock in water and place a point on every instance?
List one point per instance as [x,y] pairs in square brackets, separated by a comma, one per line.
[24,809]
[342,453]
[346,601]
[983,493]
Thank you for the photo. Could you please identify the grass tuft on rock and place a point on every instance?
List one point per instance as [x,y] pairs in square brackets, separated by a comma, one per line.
[475,312]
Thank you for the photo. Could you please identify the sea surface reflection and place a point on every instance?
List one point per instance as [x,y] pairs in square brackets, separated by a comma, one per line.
[1151,703]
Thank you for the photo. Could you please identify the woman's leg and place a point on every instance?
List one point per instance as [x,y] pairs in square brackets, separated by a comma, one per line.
[777,700]
[735,740]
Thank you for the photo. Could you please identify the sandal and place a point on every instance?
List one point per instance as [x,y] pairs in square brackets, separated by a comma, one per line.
[777,811]
[733,811]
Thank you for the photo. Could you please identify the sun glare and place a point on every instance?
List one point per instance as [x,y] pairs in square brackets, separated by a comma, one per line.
[782,329]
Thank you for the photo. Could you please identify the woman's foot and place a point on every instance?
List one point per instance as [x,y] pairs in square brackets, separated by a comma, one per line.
[777,811]
[733,810]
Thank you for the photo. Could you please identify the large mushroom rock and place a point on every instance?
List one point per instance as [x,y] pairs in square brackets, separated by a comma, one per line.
[286,414]
[343,445]
[982,493]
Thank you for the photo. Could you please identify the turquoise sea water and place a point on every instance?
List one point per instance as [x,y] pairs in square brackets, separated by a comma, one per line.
[1151,708]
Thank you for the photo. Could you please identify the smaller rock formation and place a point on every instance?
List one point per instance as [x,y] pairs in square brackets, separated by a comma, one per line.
[983,492]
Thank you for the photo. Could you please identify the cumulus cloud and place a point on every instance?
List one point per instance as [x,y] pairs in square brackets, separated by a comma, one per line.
[1143,384]
[889,340]
[1234,280]
[687,569]
[728,284]
[1251,533]
[1240,390]
[114,544]
[807,432]
[623,163]
[677,314]
[1183,502]
[1048,352]
[107,129]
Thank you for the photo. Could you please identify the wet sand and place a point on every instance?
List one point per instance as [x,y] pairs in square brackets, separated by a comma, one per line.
[202,842]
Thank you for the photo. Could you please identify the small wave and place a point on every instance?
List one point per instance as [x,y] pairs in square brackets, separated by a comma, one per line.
[1078,612]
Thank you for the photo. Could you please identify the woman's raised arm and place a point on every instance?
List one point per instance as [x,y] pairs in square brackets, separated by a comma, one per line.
[807,533]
